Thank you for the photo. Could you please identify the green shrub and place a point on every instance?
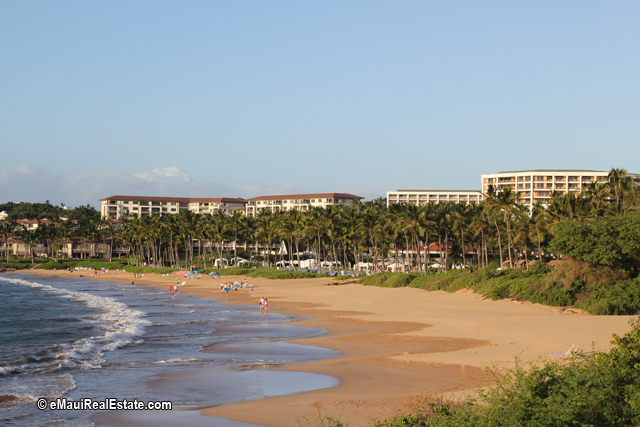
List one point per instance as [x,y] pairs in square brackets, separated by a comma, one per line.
[17,265]
[96,264]
[282,274]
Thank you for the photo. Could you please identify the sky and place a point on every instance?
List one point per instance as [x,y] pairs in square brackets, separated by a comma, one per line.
[206,98]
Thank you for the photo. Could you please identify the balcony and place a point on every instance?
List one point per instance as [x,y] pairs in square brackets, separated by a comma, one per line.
[542,193]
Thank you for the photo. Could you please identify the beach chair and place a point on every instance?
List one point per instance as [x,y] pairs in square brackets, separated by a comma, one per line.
[573,349]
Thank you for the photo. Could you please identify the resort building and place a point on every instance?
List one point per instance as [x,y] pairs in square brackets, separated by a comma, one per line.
[116,206]
[301,202]
[536,186]
[424,197]
[32,224]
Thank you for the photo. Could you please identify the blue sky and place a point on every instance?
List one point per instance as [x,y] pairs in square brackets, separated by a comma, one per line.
[247,98]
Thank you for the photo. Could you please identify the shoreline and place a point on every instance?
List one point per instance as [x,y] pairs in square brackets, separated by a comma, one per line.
[397,344]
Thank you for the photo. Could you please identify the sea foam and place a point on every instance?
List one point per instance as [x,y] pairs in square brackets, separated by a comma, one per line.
[120,325]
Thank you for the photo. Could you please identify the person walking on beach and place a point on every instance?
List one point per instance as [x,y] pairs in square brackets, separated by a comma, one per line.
[170,289]
[261,303]
[132,284]
[265,303]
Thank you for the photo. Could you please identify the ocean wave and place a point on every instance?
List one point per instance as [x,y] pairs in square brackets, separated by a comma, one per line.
[121,325]
[188,322]
[178,361]
[15,398]
[18,389]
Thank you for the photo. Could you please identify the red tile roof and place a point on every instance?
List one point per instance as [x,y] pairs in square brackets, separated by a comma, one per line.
[26,221]
[307,196]
[176,199]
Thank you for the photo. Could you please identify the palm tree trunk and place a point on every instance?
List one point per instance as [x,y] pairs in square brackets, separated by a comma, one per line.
[499,241]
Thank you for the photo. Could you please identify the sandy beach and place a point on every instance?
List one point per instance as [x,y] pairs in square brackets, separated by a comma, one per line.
[397,345]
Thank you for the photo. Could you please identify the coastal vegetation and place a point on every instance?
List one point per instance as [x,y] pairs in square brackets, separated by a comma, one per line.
[47,210]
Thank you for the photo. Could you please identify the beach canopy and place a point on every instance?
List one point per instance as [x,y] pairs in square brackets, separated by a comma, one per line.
[214,272]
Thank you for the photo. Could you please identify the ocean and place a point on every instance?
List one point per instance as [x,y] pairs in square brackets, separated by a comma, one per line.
[78,338]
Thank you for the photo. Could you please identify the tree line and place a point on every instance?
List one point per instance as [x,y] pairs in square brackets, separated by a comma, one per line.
[498,229]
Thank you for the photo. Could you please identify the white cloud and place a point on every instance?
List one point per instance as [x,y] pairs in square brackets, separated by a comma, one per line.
[23,169]
[27,184]
[23,183]
[164,175]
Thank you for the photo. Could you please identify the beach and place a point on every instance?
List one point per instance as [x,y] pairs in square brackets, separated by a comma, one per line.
[396,345]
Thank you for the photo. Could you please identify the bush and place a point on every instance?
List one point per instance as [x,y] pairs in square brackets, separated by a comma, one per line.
[282,274]
[18,265]
[96,264]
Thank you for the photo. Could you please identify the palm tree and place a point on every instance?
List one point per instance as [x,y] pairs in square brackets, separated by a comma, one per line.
[64,233]
[492,211]
[445,215]
[523,230]
[479,229]
[597,194]
[354,236]
[265,232]
[541,221]
[7,229]
[188,228]
[461,222]
[504,201]
[216,230]
[235,225]
[31,237]
[619,184]
[318,224]
[370,223]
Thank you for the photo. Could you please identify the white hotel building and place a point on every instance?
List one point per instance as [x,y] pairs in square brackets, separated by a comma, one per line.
[424,197]
[301,202]
[116,206]
[536,186]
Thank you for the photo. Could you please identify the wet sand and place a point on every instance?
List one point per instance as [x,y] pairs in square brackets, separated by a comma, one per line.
[397,345]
